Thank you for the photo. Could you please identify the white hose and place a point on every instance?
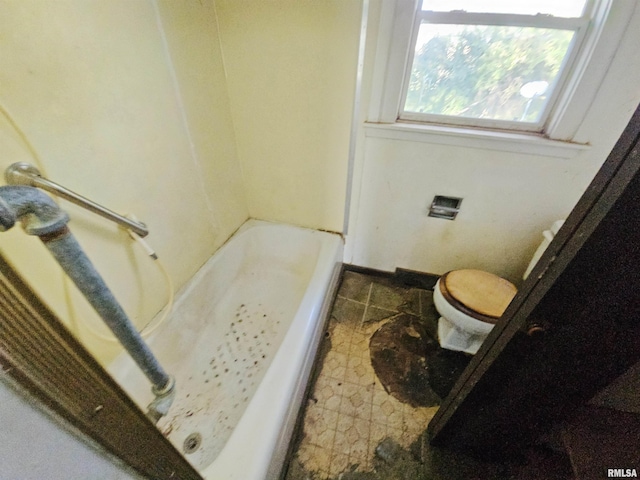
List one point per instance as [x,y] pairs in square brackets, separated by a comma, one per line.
[23,137]
[151,326]
[148,329]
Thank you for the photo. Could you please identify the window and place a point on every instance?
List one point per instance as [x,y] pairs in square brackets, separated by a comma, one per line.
[496,64]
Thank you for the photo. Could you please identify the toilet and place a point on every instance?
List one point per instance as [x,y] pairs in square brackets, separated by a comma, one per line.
[470,302]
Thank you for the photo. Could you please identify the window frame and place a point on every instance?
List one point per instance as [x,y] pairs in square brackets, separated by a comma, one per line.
[397,33]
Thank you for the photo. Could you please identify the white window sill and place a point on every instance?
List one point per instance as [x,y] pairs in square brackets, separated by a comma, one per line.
[475,138]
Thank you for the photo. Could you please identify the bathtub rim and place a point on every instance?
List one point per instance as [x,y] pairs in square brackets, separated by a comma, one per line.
[255,463]
[289,429]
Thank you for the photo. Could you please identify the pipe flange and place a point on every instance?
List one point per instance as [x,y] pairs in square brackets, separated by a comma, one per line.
[160,392]
[36,226]
[21,173]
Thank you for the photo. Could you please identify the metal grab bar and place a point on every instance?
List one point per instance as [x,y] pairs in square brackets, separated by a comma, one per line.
[22,173]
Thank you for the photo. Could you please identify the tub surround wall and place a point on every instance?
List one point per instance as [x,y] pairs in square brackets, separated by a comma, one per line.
[510,196]
[191,30]
[126,103]
[291,69]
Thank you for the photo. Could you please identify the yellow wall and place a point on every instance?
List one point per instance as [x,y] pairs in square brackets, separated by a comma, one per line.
[291,70]
[144,107]
[94,88]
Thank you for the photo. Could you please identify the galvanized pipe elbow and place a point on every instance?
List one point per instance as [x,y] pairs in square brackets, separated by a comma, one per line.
[37,212]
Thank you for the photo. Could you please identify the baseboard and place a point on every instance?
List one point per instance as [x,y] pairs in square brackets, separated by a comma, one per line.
[367,271]
[410,278]
[413,278]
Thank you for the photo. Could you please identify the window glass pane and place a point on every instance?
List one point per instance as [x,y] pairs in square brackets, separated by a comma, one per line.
[476,71]
[557,8]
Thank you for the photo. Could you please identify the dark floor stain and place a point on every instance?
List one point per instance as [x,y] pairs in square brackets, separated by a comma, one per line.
[399,351]
[391,462]
[422,461]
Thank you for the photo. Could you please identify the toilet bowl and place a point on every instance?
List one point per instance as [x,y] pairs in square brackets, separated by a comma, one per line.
[470,302]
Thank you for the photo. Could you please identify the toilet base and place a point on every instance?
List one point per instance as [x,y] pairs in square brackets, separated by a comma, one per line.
[451,338]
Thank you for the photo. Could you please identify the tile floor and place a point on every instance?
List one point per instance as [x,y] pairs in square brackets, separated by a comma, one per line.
[348,412]
[353,429]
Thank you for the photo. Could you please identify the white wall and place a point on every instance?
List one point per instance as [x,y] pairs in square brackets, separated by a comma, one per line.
[508,197]
[511,192]
[34,447]
[136,126]
[291,70]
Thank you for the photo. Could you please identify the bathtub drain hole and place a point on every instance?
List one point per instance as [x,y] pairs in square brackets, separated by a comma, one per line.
[192,443]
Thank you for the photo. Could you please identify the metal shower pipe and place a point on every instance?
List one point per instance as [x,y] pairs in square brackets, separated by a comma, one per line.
[40,216]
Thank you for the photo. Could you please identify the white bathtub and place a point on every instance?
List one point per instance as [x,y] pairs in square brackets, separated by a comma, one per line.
[240,343]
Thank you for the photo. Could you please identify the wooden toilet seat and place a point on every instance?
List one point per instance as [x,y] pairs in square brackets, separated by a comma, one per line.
[481,295]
